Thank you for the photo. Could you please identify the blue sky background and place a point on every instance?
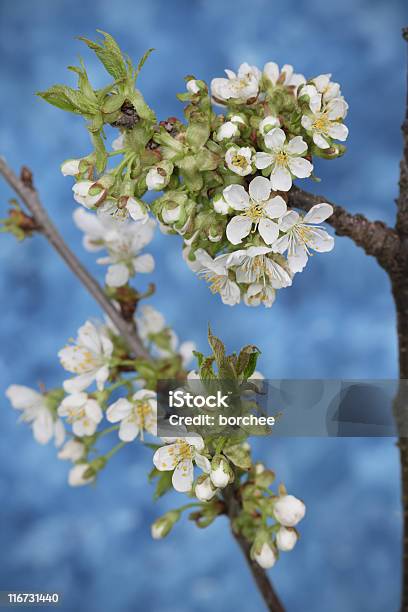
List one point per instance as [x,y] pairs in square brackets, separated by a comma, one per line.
[337,320]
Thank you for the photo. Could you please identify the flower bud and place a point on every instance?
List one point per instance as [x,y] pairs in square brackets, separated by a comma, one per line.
[192,86]
[72,450]
[163,525]
[268,124]
[266,556]
[220,205]
[288,510]
[81,474]
[204,490]
[286,538]
[171,212]
[220,472]
[226,130]
[70,167]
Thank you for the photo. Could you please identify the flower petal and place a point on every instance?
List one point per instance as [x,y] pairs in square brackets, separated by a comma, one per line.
[128,430]
[165,458]
[236,197]
[117,275]
[296,146]
[281,179]
[238,228]
[268,230]
[289,220]
[259,188]
[203,463]
[119,410]
[300,167]
[144,264]
[275,207]
[339,131]
[318,213]
[275,139]
[320,141]
[263,160]
[182,478]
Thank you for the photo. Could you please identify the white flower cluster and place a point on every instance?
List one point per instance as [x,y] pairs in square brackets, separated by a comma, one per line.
[123,241]
[288,511]
[91,358]
[266,244]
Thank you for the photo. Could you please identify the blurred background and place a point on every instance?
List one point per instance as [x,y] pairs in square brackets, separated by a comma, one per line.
[93,544]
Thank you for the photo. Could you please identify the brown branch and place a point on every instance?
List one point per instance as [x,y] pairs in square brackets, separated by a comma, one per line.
[24,188]
[399,281]
[262,581]
[375,237]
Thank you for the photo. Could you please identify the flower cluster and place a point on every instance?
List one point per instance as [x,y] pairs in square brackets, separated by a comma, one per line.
[220,180]
[112,394]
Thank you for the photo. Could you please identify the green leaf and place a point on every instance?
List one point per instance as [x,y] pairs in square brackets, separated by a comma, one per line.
[143,61]
[199,356]
[101,155]
[164,484]
[63,97]
[109,54]
[238,455]
[217,346]
[247,360]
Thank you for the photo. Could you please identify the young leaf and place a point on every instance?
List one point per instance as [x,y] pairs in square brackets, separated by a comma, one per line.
[109,54]
[247,359]
[217,346]
[163,484]
[62,97]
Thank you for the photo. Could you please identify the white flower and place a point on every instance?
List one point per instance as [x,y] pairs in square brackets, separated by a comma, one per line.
[123,241]
[285,158]
[76,477]
[179,455]
[83,412]
[155,179]
[257,209]
[266,558]
[204,490]
[123,208]
[124,257]
[88,358]
[215,271]
[150,323]
[70,167]
[239,160]
[326,87]
[286,538]
[220,205]
[227,130]
[302,234]
[286,76]
[253,265]
[135,416]
[220,475]
[325,122]
[259,293]
[35,411]
[268,124]
[288,510]
[241,87]
[192,86]
[72,450]
[89,193]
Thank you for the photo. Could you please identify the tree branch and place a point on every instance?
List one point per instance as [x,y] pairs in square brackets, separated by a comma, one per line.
[263,583]
[375,237]
[24,188]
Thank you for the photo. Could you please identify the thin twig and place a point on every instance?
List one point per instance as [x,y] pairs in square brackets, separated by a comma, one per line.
[24,188]
[263,583]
